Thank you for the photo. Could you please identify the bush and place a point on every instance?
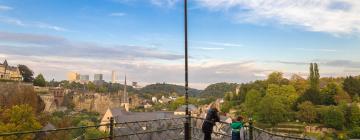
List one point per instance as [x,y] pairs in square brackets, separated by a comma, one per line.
[334,118]
[355,133]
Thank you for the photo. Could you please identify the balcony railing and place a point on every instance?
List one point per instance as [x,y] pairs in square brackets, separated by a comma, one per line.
[161,129]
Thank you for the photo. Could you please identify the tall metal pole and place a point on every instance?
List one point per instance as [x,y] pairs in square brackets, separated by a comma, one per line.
[187,122]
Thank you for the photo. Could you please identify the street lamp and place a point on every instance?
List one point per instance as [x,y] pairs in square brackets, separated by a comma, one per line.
[187,121]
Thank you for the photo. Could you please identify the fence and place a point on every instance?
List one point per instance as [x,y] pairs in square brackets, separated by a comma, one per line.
[160,129]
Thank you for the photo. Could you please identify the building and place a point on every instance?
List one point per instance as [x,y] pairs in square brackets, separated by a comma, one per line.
[181,110]
[73,77]
[98,77]
[59,94]
[154,99]
[121,116]
[113,77]
[84,78]
[9,72]
[147,105]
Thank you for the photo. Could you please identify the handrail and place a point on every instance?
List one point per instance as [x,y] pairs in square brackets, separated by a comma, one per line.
[224,126]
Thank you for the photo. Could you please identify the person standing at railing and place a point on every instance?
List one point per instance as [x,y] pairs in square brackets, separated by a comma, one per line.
[211,118]
[236,127]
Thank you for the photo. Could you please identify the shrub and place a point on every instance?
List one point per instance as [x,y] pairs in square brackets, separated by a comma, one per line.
[355,133]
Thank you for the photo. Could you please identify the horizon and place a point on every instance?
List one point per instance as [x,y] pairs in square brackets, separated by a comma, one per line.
[229,41]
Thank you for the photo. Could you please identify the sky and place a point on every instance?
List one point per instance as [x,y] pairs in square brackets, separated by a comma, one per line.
[229,40]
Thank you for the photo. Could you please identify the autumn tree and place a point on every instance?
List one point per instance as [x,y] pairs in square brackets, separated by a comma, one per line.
[299,83]
[307,112]
[19,118]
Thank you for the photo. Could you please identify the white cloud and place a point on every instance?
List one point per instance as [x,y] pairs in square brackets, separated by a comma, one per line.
[330,16]
[42,25]
[117,14]
[223,44]
[315,50]
[164,3]
[5,8]
[210,48]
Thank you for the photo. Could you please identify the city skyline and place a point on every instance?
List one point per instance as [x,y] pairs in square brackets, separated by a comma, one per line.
[229,40]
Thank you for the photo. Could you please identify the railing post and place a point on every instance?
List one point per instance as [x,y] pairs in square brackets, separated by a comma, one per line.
[111,133]
[187,125]
[251,129]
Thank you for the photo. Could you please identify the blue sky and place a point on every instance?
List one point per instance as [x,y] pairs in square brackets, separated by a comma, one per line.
[229,40]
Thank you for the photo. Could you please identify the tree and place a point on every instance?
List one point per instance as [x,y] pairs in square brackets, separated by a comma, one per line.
[19,118]
[91,86]
[333,94]
[26,73]
[352,86]
[275,78]
[355,133]
[334,118]
[286,93]
[354,116]
[299,83]
[307,112]
[218,89]
[314,76]
[272,110]
[312,95]
[252,101]
[40,81]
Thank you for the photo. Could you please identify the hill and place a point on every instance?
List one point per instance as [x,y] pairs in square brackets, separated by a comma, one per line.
[218,89]
[163,88]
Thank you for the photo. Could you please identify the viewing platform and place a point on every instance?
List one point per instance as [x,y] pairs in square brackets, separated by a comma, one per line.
[160,129]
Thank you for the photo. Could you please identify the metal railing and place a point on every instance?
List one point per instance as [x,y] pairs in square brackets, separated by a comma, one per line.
[166,129]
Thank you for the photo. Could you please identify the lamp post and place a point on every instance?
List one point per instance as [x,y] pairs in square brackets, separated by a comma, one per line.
[187,121]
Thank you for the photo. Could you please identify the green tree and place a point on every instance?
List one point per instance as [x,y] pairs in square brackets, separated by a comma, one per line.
[355,133]
[312,95]
[307,112]
[252,101]
[299,83]
[314,76]
[26,73]
[275,78]
[19,118]
[39,81]
[352,86]
[334,118]
[272,110]
[328,94]
[90,86]
[354,116]
[286,93]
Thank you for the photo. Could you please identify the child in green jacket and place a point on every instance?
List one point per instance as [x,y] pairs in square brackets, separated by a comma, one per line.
[236,126]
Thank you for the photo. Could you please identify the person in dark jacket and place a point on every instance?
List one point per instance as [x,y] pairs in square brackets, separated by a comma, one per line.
[209,122]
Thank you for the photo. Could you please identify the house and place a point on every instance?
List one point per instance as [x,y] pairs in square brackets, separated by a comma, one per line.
[147,105]
[181,110]
[154,99]
[121,116]
[9,72]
